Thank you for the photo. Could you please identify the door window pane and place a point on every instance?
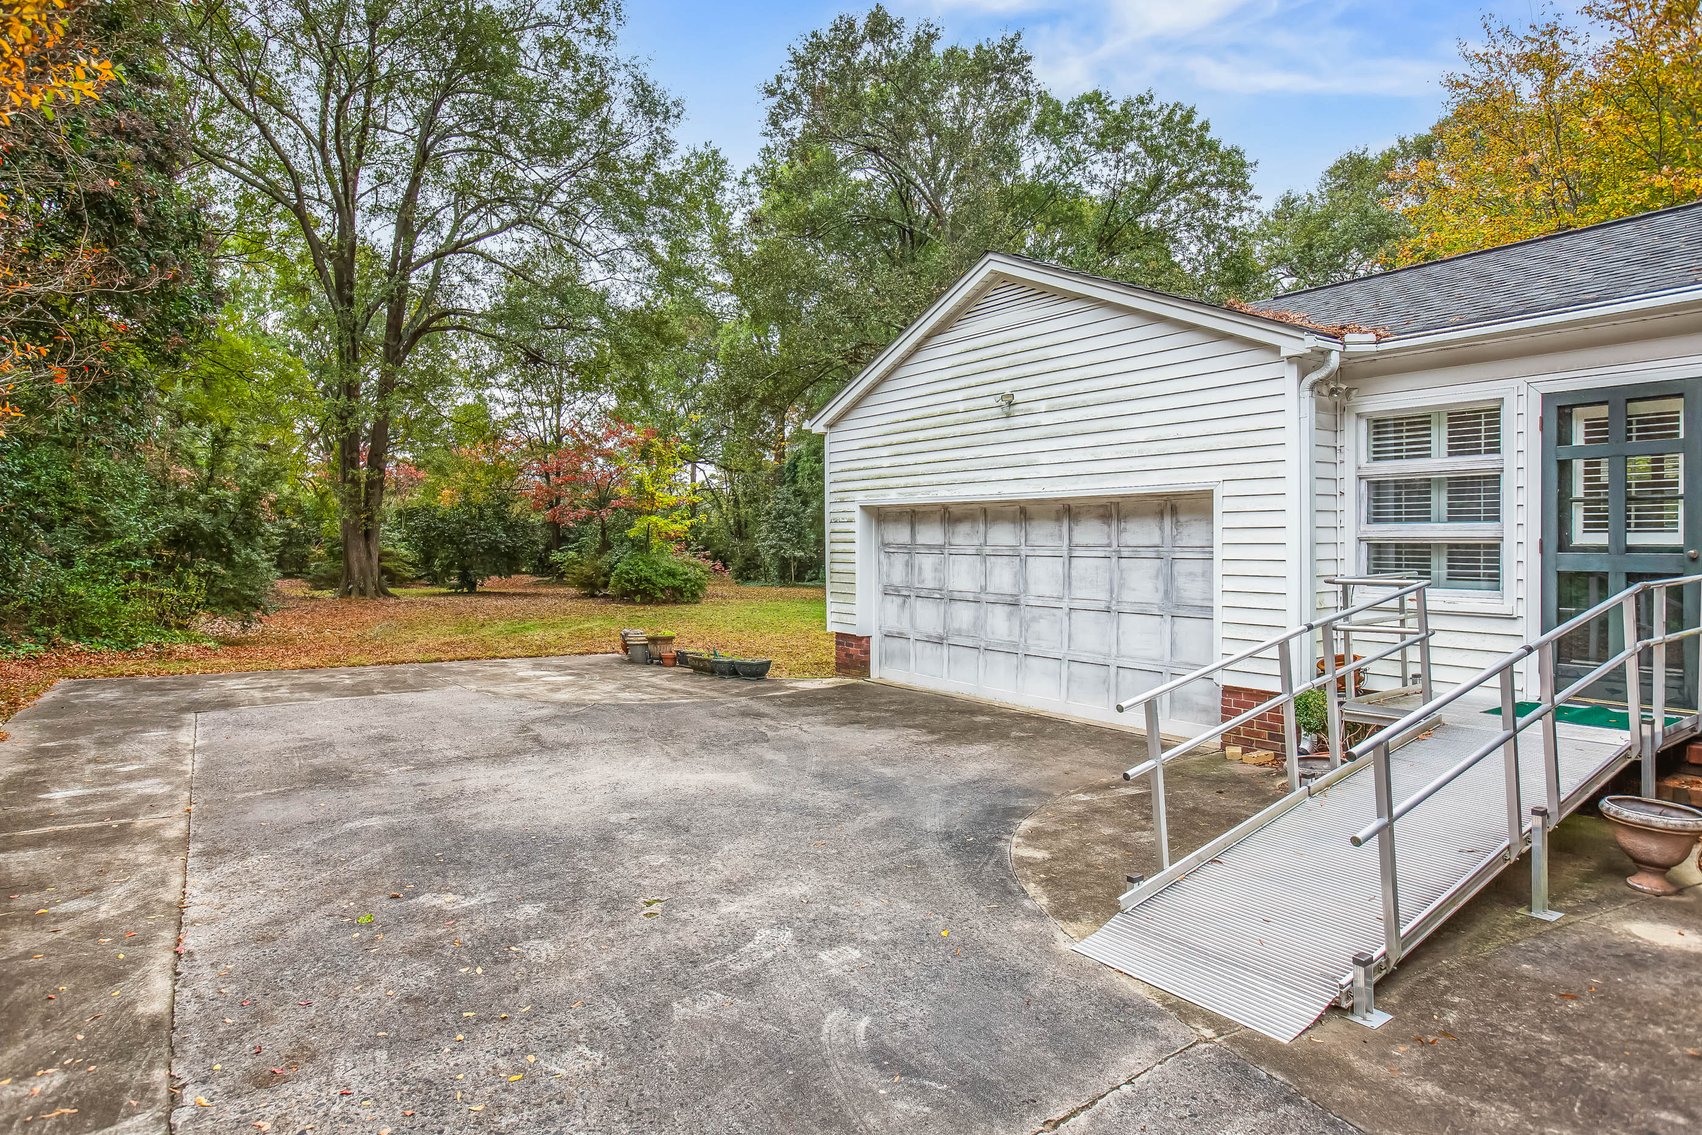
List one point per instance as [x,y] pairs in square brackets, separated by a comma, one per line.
[1655,419]
[1584,425]
[1654,498]
[1583,503]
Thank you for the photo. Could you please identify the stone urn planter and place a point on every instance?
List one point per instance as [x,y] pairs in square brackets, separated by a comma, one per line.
[722,667]
[1656,834]
[660,644]
[752,667]
[685,658]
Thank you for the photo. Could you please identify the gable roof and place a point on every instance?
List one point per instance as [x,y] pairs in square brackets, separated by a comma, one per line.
[996,268]
[1643,255]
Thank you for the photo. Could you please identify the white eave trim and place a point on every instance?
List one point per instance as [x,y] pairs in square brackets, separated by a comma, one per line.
[1611,311]
[996,268]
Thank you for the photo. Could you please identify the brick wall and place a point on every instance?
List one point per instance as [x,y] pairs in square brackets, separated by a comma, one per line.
[1264,731]
[851,655]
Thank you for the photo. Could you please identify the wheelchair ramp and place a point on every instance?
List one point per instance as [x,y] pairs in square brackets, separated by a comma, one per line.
[1263,930]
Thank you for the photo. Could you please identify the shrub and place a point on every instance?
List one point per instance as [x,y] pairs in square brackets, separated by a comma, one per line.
[461,540]
[659,577]
[1311,713]
[588,571]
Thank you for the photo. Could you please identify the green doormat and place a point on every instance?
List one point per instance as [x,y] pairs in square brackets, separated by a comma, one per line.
[1599,716]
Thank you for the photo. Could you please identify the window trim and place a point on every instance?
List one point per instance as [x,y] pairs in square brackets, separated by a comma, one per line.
[1360,534]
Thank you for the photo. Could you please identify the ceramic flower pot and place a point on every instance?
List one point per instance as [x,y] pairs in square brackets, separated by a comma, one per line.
[1656,835]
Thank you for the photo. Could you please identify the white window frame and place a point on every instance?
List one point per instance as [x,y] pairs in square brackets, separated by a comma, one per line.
[1363,470]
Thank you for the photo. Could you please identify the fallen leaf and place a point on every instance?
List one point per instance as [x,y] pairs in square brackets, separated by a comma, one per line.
[203,1101]
[517,1076]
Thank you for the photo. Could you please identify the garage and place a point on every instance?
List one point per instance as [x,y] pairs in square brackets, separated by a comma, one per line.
[1068,606]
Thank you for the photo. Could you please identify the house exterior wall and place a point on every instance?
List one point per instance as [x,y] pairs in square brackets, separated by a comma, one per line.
[1475,629]
[1106,401]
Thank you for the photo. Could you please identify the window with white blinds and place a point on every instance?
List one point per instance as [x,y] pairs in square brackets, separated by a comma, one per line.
[1431,491]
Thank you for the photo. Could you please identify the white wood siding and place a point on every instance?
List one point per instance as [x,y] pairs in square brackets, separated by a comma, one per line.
[1107,402]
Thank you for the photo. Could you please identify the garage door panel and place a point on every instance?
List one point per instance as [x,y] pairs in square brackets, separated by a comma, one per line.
[1140,581]
[999,670]
[1043,575]
[1042,627]
[964,527]
[1004,622]
[928,615]
[1089,683]
[1043,526]
[963,619]
[1192,527]
[1069,605]
[1140,635]
[928,571]
[1090,525]
[1092,632]
[1190,640]
[1140,524]
[1090,578]
[963,571]
[1191,582]
[963,664]
[1039,676]
[1197,701]
[1004,527]
[1004,574]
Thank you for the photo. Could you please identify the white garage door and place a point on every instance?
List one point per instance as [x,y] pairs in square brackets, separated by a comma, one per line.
[1068,606]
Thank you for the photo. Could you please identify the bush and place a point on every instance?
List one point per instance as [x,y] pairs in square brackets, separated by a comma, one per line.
[1311,713]
[590,572]
[659,577]
[462,540]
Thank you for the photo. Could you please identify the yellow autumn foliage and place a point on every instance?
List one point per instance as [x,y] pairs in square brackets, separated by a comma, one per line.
[38,65]
[1553,127]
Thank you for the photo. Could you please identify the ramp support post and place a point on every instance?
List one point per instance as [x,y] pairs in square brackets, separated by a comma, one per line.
[1364,1008]
[1539,866]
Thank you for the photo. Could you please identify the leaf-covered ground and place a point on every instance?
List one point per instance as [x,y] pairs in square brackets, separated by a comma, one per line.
[509,618]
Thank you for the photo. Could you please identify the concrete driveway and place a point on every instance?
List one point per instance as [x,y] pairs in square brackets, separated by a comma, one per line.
[564,895]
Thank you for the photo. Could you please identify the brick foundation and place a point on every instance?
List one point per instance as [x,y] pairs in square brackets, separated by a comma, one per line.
[1264,731]
[851,655]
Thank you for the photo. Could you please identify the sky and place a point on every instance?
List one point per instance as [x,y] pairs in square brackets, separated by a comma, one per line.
[1294,83]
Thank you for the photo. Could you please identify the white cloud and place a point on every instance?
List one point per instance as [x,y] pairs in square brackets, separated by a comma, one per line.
[1332,47]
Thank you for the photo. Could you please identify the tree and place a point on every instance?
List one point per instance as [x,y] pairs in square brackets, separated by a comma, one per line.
[469,521]
[415,154]
[588,481]
[1141,190]
[1551,127]
[1349,226]
[103,250]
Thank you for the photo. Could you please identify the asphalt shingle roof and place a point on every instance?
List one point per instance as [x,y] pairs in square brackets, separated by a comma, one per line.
[1634,256]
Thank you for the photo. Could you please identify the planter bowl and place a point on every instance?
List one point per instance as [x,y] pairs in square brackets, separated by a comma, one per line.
[1656,835]
[752,667]
[701,664]
[722,668]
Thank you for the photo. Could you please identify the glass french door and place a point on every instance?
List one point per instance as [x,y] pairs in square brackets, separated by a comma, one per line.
[1618,465]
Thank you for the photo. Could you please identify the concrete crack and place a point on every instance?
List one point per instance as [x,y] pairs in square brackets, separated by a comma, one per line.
[1058,1121]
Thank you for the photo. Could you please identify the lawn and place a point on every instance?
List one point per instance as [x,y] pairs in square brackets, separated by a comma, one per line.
[509,618]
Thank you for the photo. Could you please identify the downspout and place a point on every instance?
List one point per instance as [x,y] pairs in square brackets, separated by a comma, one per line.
[1309,384]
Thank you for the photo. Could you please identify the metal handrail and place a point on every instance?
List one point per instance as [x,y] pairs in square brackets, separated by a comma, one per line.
[1642,744]
[1397,590]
